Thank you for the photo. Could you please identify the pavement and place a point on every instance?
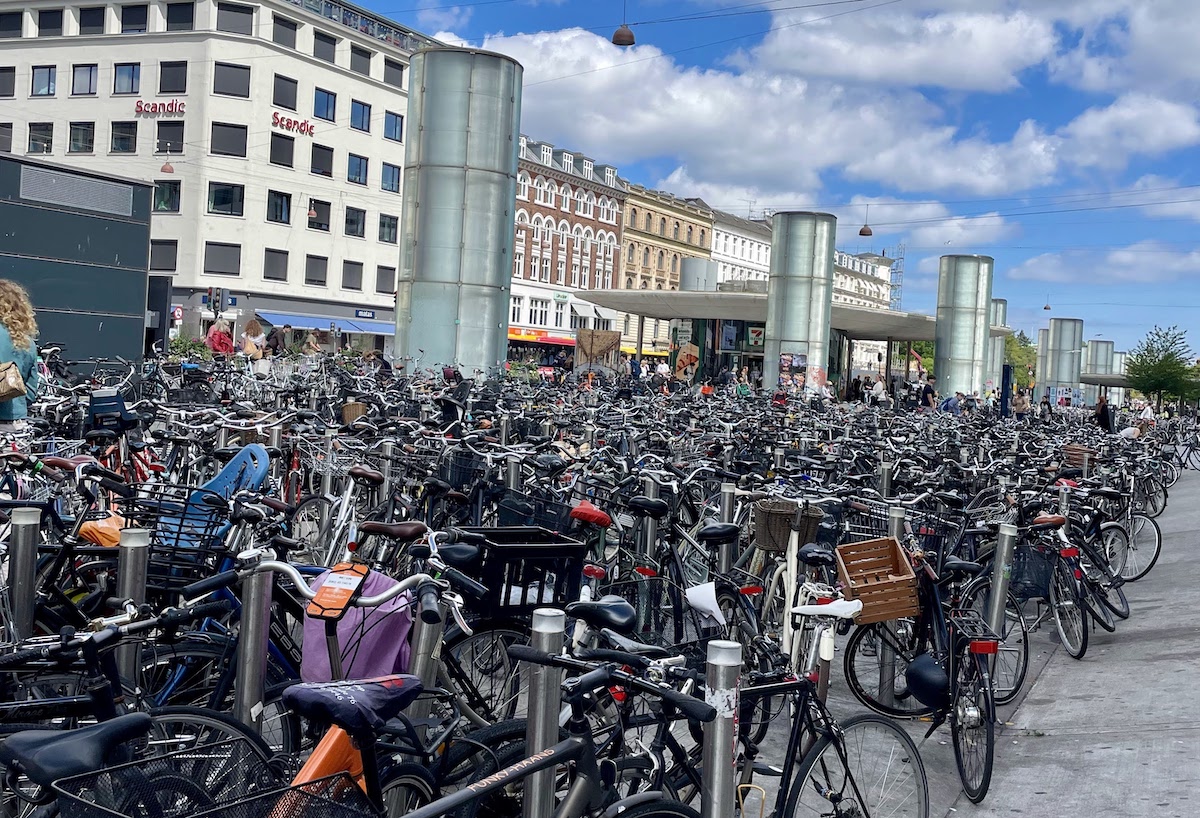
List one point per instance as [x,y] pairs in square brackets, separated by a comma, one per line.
[1114,734]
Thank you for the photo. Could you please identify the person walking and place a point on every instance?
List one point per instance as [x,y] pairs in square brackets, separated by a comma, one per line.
[1103,416]
[18,345]
[219,339]
[929,395]
[1020,406]
[254,345]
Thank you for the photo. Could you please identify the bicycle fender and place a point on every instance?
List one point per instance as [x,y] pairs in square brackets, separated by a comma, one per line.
[632,801]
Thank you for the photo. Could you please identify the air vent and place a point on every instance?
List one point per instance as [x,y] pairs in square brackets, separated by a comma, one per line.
[78,192]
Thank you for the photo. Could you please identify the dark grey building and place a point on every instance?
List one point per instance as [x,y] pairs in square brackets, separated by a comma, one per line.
[80,243]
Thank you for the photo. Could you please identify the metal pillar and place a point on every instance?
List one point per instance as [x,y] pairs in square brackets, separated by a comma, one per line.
[641,335]
[719,757]
[964,304]
[222,437]
[1006,543]
[649,525]
[512,473]
[133,562]
[887,650]
[1064,501]
[541,732]
[252,649]
[424,664]
[387,450]
[728,500]
[22,567]
[885,479]
[505,423]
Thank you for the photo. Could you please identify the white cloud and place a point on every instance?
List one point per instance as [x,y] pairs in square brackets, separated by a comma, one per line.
[1162,197]
[1133,124]
[1146,262]
[437,17]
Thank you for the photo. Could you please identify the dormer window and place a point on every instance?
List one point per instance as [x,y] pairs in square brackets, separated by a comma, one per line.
[568,162]
[587,168]
[547,154]
[610,177]
[522,145]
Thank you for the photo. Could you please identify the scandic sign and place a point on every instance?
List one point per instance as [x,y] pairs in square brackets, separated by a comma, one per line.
[175,106]
[302,127]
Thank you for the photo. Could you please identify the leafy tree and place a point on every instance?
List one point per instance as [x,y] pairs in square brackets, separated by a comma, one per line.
[925,350]
[1161,364]
[1021,352]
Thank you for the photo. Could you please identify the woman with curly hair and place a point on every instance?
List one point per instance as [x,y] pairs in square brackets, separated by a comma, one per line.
[18,334]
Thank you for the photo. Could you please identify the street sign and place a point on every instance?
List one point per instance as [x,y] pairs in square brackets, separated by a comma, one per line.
[755,336]
[177,313]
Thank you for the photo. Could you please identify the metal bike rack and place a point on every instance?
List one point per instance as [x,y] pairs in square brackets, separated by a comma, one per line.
[719,754]
[885,479]
[424,663]
[505,423]
[22,567]
[512,472]
[222,437]
[541,732]
[1002,563]
[133,563]
[387,451]
[649,525]
[252,649]
[728,499]
[1064,500]
[887,652]
[779,458]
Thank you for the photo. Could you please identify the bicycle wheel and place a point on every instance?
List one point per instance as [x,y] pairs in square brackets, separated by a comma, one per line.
[1093,602]
[1114,546]
[1007,668]
[1069,618]
[662,808]
[185,728]
[972,727]
[489,685]
[311,523]
[869,767]
[867,673]
[406,787]
[1153,497]
[1145,546]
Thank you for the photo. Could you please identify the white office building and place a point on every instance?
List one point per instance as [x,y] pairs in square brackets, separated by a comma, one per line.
[741,248]
[273,132]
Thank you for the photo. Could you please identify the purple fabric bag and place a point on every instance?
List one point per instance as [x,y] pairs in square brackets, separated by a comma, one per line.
[374,641]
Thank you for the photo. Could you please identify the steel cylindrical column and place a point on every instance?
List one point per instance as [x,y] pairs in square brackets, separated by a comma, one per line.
[728,500]
[133,562]
[1065,352]
[885,479]
[512,473]
[22,567]
[252,648]
[719,762]
[963,305]
[649,525]
[995,363]
[541,731]
[425,640]
[1006,543]
[896,516]
[387,451]
[799,298]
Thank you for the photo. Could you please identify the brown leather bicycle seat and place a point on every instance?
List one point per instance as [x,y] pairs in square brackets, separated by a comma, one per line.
[1048,521]
[67,463]
[366,474]
[404,532]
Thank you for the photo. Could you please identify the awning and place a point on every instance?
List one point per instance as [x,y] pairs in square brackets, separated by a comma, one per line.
[317,322]
[606,313]
[374,327]
[538,336]
[583,309]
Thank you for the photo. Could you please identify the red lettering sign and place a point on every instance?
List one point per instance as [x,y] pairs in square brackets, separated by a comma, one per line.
[286,123]
[175,106]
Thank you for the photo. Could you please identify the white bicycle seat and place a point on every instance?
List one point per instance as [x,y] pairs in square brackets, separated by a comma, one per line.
[839,608]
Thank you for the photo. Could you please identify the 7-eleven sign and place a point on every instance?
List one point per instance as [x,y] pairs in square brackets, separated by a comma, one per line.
[756,336]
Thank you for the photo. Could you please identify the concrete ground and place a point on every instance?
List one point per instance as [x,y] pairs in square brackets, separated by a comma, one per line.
[1114,734]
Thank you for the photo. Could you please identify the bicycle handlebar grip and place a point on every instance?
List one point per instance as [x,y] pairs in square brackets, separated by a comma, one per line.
[691,707]
[427,604]
[525,653]
[20,657]
[618,656]
[96,470]
[117,487]
[464,583]
[202,611]
[210,584]
[469,537]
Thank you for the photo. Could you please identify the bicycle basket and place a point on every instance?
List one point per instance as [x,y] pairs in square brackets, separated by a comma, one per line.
[773,523]
[461,469]
[531,510]
[525,567]
[1032,571]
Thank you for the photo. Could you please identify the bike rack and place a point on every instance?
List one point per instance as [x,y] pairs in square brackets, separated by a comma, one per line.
[252,649]
[133,563]
[22,567]
[1006,543]
[718,793]
[541,732]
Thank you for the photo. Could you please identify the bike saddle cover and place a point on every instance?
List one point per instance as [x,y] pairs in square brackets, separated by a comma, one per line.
[719,532]
[357,707]
[48,755]
[404,532]
[610,611]
[953,565]
[813,554]
[588,513]
[648,507]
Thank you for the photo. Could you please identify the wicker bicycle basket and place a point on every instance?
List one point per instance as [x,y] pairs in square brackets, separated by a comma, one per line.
[773,523]
[1075,455]
[352,411]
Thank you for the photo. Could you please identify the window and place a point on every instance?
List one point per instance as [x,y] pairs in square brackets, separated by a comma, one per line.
[172,77]
[646,258]
[181,16]
[164,255]
[675,231]
[539,311]
[43,81]
[356,222]
[225,199]
[547,154]
[166,195]
[702,237]
[83,137]
[282,150]
[8,81]
[322,160]
[127,78]
[91,20]
[284,32]
[385,280]
[661,258]
[170,137]
[133,19]
[356,172]
[562,271]
[324,47]
[275,264]
[389,227]
[546,269]
[518,264]
[352,275]
[83,80]
[662,227]
[41,137]
[315,268]
[689,234]
[360,116]
[232,80]
[228,140]
[560,313]
[6,137]
[318,216]
[10,25]
[279,207]
[222,259]
[50,23]
[360,60]
[235,18]
[515,302]
[393,73]
[325,105]
[649,222]
[674,264]
[391,178]
[285,92]
[522,185]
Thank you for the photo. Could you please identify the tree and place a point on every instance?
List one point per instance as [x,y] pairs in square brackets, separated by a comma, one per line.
[925,350]
[1021,353]
[1161,364]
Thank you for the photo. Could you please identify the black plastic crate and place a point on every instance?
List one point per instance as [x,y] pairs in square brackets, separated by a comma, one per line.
[528,567]
[521,509]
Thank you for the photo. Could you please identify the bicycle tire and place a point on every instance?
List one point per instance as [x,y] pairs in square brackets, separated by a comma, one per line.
[1113,546]
[311,522]
[1008,667]
[1145,547]
[1092,601]
[1069,615]
[972,727]
[405,787]
[861,662]
[858,739]
[477,668]
[206,727]
[664,808]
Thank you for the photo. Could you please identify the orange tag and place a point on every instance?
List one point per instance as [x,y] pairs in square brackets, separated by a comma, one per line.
[337,591]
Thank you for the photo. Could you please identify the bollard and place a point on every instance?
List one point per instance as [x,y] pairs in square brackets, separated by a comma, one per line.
[1085,465]
[1064,501]
[885,479]
[649,525]
[719,758]
[1002,562]
[22,567]
[727,457]
[887,650]
[1016,442]
[779,458]
[725,549]
[252,649]
[541,732]
[512,472]
[424,664]
[896,522]
[728,499]
[275,437]
[327,481]
[387,450]
[547,428]
[505,423]
[222,437]
[133,562]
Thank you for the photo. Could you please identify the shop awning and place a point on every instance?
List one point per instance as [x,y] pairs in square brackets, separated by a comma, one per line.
[606,313]
[374,327]
[538,336]
[583,309]
[278,319]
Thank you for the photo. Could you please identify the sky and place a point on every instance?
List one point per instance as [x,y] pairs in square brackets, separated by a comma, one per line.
[1061,137]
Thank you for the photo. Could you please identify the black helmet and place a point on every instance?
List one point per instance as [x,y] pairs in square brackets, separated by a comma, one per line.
[928,681]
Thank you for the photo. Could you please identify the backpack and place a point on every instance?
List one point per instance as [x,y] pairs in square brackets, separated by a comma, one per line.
[635,368]
[944,406]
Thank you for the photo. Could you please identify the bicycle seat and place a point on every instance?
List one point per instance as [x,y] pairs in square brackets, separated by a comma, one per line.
[718,532]
[953,565]
[277,505]
[550,465]
[67,463]
[648,507]
[460,555]
[435,486]
[949,499]
[633,646]
[609,611]
[1103,492]
[226,453]
[358,707]
[839,608]
[99,437]
[45,756]
[1048,522]
[588,513]
[816,555]
[365,475]
[404,532]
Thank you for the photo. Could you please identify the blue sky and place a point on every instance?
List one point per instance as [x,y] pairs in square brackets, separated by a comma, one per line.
[1061,137]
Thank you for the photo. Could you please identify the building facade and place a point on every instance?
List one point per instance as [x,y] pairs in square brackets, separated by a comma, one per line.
[567,240]
[741,248]
[661,230]
[273,134]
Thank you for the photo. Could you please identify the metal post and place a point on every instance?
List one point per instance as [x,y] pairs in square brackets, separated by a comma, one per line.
[252,649]
[725,549]
[424,665]
[505,423]
[222,437]
[885,479]
[1064,501]
[779,457]
[547,428]
[387,450]
[650,526]
[512,473]
[541,732]
[1085,465]
[133,562]
[1006,543]
[22,567]
[275,437]
[728,499]
[327,478]
[719,762]
[896,522]
[887,650]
